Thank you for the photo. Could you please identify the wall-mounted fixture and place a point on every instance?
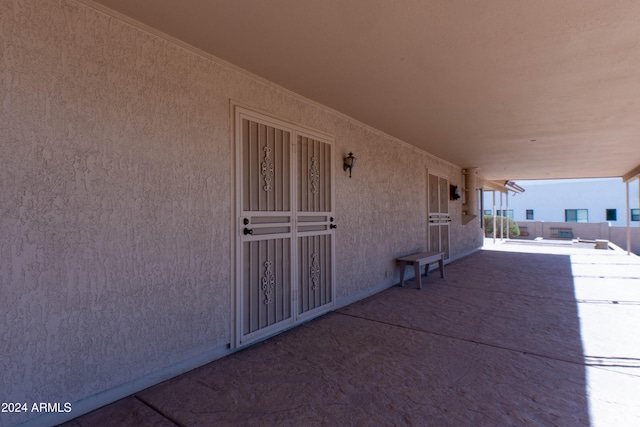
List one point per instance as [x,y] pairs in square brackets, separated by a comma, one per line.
[349,163]
[453,192]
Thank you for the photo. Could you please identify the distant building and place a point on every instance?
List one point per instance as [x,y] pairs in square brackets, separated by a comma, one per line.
[571,200]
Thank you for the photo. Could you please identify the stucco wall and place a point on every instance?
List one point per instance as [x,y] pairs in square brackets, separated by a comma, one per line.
[116,201]
[618,235]
[382,210]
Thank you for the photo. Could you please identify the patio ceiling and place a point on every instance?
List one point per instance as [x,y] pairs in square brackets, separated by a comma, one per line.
[520,89]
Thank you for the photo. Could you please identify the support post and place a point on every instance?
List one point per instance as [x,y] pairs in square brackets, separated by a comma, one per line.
[628,221]
[481,214]
[501,219]
[493,214]
[507,209]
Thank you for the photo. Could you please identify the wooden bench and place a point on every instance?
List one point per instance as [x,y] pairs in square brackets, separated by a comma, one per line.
[418,260]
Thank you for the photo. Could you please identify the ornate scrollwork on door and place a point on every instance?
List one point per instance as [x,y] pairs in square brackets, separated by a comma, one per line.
[314,175]
[314,271]
[267,169]
[268,283]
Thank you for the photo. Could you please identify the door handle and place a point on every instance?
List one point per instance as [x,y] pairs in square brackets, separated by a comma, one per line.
[247,231]
[333,226]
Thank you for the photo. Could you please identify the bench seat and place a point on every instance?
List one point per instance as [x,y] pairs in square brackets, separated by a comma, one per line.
[418,260]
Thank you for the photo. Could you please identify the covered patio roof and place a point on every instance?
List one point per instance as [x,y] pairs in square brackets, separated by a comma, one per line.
[519,89]
[517,334]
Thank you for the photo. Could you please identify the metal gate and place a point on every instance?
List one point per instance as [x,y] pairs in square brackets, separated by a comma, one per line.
[439,218]
[285,227]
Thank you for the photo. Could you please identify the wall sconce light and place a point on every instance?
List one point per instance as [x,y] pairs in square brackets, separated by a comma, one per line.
[453,192]
[349,163]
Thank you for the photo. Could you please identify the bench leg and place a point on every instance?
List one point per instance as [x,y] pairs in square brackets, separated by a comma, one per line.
[441,265]
[402,267]
[416,269]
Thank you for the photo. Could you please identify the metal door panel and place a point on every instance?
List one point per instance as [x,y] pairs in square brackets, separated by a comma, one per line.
[265,228]
[266,167]
[438,214]
[314,226]
[314,274]
[285,226]
[314,175]
[266,283]
[444,240]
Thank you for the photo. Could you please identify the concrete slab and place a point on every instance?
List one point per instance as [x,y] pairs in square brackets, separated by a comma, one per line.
[510,337]
[126,412]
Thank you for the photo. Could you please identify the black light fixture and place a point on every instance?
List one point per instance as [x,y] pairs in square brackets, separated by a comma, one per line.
[453,192]
[349,163]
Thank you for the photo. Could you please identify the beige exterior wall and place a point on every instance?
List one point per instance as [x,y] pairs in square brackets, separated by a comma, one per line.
[116,201]
[618,235]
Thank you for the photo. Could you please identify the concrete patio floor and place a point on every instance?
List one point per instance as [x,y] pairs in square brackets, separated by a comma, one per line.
[516,334]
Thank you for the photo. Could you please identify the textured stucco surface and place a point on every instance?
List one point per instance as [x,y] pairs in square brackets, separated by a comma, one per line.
[114,233]
[116,200]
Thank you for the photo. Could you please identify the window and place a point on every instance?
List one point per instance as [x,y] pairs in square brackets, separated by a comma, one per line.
[576,215]
[612,215]
[505,213]
[635,214]
[529,213]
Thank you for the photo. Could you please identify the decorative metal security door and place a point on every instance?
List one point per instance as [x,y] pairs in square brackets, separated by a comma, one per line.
[314,226]
[285,235]
[439,217]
